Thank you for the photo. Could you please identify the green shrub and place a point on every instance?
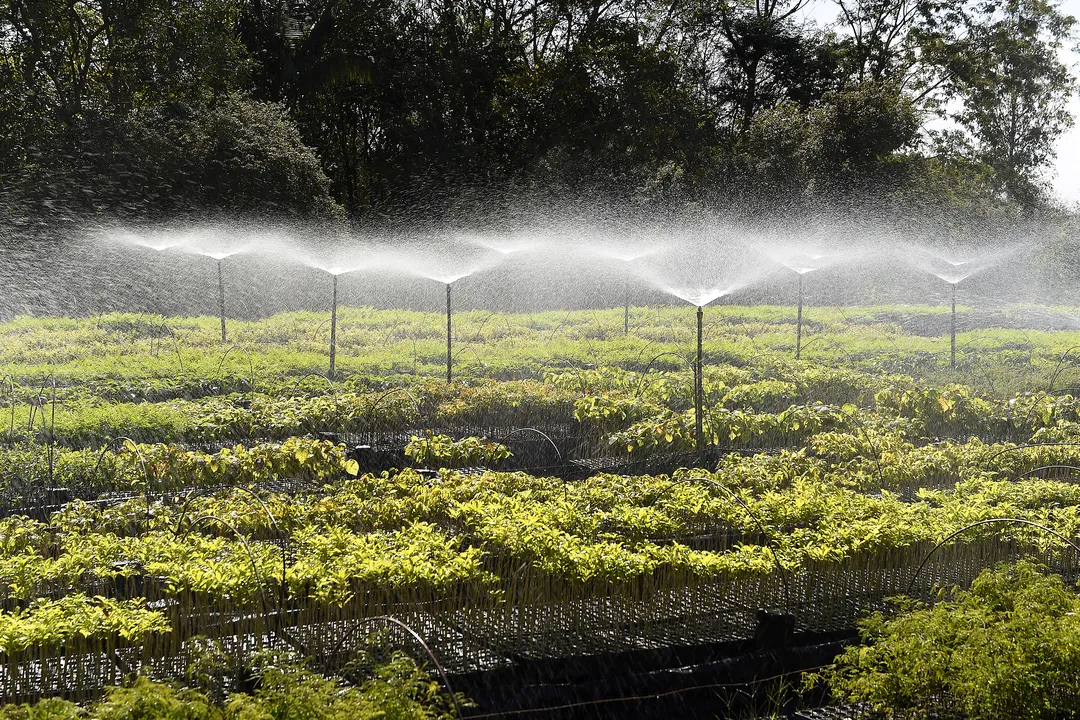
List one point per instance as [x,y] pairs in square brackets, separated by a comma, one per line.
[1007,648]
[435,451]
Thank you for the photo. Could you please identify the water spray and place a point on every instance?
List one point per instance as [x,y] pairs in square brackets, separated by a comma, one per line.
[626,308]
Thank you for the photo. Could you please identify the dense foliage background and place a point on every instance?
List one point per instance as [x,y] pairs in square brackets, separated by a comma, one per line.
[373,109]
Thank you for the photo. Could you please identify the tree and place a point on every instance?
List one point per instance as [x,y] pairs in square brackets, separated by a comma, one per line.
[129,108]
[752,55]
[1014,90]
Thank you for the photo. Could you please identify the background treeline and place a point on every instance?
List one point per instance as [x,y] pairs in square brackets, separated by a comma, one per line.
[385,111]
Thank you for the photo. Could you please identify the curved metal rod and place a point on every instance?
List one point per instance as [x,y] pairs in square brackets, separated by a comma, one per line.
[493,313]
[158,332]
[593,354]
[47,430]
[980,365]
[769,353]
[254,568]
[977,338]
[318,329]
[846,317]
[559,326]
[989,521]
[866,435]
[575,367]
[416,636]
[142,461]
[1029,446]
[538,432]
[599,326]
[644,348]
[578,371]
[391,391]
[203,492]
[176,345]
[251,364]
[986,374]
[655,379]
[11,432]
[471,349]
[832,343]
[393,327]
[305,376]
[1031,472]
[648,367]
[773,547]
[1038,399]
[1057,368]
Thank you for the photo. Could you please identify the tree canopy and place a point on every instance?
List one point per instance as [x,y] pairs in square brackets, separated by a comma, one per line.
[375,108]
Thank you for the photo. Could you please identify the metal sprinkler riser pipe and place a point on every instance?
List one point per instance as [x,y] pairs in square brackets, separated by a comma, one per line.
[333,330]
[699,393]
[952,331]
[449,339]
[221,298]
[798,323]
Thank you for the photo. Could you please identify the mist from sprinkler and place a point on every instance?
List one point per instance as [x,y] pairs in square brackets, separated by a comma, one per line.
[220,257]
[626,256]
[956,271]
[336,267]
[802,263]
[699,298]
[447,273]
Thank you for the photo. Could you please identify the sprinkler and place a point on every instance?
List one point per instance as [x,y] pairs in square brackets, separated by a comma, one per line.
[798,324]
[221,297]
[626,309]
[333,329]
[449,339]
[699,393]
